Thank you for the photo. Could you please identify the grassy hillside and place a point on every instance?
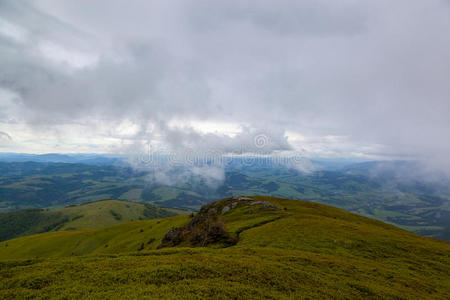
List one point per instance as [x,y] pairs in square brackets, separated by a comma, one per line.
[417,205]
[110,212]
[296,250]
[90,215]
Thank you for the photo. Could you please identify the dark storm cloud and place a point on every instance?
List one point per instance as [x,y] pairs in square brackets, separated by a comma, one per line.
[374,72]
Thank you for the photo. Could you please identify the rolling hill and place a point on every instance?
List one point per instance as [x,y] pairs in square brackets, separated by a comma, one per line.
[417,204]
[96,214]
[239,247]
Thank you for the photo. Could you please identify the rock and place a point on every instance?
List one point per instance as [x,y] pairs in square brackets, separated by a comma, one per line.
[265,204]
[205,228]
[241,198]
[212,211]
[172,238]
[226,209]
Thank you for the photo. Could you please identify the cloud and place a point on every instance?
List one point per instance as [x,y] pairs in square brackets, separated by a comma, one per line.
[5,136]
[374,72]
[5,139]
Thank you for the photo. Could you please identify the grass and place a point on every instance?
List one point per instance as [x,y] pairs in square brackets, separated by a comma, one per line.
[125,237]
[302,251]
[97,214]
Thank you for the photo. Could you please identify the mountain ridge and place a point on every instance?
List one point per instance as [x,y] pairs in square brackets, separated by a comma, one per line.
[315,251]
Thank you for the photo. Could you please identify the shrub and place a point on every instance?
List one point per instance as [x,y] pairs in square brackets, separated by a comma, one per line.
[116,216]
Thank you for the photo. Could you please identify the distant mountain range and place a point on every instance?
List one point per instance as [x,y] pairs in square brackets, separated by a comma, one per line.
[105,159]
[397,192]
[90,159]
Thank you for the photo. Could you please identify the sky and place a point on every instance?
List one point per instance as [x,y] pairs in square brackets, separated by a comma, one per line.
[324,78]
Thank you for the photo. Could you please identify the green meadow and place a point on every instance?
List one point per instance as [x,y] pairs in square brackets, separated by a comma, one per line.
[96,214]
[302,250]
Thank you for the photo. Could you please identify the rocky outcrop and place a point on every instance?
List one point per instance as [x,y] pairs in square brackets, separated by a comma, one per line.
[234,201]
[172,238]
[265,204]
[206,227]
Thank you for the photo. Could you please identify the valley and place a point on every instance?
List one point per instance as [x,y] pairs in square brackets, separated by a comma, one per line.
[416,205]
